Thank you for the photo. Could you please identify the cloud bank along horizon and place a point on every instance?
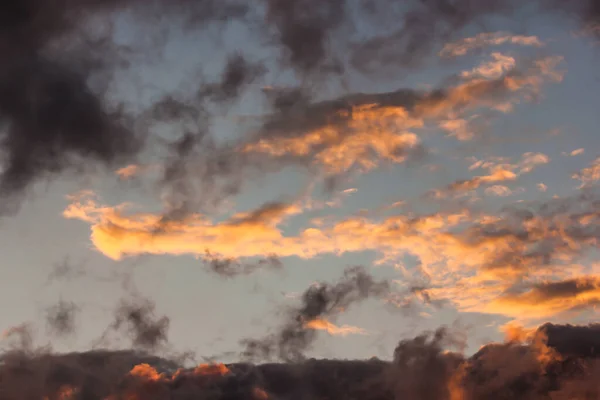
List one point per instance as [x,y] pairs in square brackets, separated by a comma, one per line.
[418,133]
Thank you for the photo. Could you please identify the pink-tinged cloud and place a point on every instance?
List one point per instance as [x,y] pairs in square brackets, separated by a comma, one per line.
[464,46]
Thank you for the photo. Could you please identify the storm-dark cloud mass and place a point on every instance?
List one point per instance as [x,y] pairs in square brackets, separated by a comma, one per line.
[52,120]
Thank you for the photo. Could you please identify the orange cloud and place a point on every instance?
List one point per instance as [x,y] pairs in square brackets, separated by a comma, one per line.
[501,170]
[547,299]
[128,172]
[117,234]
[211,369]
[589,175]
[574,153]
[464,46]
[474,260]
[514,332]
[494,69]
[147,372]
[499,191]
[332,329]
[458,128]
[371,133]
[362,130]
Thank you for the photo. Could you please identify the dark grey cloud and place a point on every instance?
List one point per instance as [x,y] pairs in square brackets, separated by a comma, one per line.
[138,320]
[61,318]
[322,300]
[229,267]
[51,119]
[421,368]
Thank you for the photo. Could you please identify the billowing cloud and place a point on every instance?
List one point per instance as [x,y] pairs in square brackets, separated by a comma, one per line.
[554,361]
[54,119]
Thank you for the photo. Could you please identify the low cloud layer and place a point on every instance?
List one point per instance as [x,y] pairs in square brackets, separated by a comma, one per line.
[555,361]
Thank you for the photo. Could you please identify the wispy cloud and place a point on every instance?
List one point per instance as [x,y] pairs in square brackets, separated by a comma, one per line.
[362,130]
[332,329]
[464,46]
[589,175]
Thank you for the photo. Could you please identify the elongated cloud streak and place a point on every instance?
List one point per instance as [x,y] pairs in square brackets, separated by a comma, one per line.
[555,361]
[470,258]
[464,46]
[332,329]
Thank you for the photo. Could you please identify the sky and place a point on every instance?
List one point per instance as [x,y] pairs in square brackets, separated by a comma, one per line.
[277,181]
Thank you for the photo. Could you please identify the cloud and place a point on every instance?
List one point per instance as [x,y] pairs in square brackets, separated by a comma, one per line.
[468,257]
[500,170]
[237,73]
[60,318]
[54,118]
[414,32]
[370,134]
[133,171]
[499,191]
[361,130]
[574,153]
[332,329]
[318,302]
[547,299]
[302,28]
[551,360]
[589,175]
[253,234]
[137,319]
[493,69]
[128,171]
[49,91]
[466,45]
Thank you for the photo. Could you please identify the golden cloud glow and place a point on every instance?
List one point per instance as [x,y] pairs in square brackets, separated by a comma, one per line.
[332,329]
[128,172]
[370,133]
[548,299]
[471,259]
[500,170]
